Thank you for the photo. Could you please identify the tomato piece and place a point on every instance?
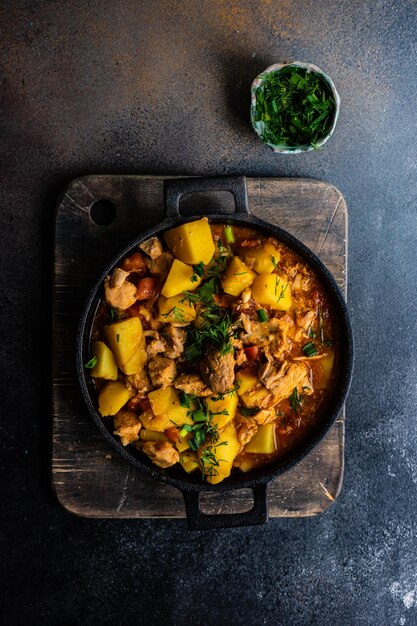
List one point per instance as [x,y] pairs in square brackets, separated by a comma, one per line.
[252,353]
[172,433]
[146,288]
[135,263]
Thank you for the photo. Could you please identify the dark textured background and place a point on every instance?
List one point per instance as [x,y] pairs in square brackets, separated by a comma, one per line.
[162,87]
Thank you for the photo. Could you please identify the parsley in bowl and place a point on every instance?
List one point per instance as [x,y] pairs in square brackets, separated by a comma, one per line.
[294,107]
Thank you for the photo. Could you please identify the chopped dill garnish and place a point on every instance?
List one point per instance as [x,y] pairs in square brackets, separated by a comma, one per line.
[209,460]
[296,401]
[177,314]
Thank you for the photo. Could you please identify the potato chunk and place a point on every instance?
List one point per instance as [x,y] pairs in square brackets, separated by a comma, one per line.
[174,311]
[263,442]
[192,242]
[225,451]
[166,409]
[237,277]
[179,279]
[189,462]
[272,290]
[125,339]
[106,366]
[228,404]
[245,380]
[112,398]
[263,259]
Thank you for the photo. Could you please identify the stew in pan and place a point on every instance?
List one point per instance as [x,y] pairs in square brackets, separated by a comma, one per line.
[216,348]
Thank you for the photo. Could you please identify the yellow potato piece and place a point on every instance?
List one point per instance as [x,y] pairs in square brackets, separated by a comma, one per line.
[227,403]
[124,337]
[192,242]
[225,451]
[248,463]
[189,461]
[174,311]
[238,276]
[263,442]
[263,259]
[106,366]
[179,279]
[325,367]
[112,398]
[245,380]
[137,361]
[166,409]
[272,290]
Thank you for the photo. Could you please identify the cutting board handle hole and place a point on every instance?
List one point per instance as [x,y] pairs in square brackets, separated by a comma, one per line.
[103,212]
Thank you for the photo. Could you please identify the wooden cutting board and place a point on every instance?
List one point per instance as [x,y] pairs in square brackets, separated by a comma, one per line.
[89,478]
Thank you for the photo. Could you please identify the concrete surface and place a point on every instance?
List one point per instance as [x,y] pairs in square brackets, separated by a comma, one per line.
[162,87]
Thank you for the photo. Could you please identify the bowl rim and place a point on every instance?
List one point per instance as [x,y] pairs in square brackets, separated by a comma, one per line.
[299,149]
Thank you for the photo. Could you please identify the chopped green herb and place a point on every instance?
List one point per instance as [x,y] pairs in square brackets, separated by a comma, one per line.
[248,412]
[91,363]
[209,460]
[294,107]
[311,333]
[296,400]
[185,400]
[262,315]
[113,316]
[177,314]
[221,396]
[118,338]
[198,272]
[228,233]
[310,349]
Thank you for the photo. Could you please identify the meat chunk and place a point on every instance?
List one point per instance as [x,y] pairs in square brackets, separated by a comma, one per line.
[127,425]
[259,397]
[218,370]
[246,430]
[152,247]
[140,383]
[162,371]
[155,347]
[282,381]
[162,453]
[161,265]
[303,321]
[118,291]
[272,335]
[191,383]
[174,339]
[264,416]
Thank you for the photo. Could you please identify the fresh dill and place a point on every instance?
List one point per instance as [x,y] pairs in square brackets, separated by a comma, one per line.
[210,461]
[221,396]
[177,314]
[113,315]
[296,401]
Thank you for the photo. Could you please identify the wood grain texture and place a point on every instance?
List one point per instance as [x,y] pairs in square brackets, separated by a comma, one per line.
[88,476]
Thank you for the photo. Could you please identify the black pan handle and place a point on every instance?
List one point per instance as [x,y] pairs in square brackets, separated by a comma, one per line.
[174,188]
[197,520]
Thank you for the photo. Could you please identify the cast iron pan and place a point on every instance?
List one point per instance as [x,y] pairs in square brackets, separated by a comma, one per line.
[257,480]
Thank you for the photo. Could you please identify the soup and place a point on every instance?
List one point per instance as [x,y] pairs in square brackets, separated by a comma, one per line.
[215,348]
